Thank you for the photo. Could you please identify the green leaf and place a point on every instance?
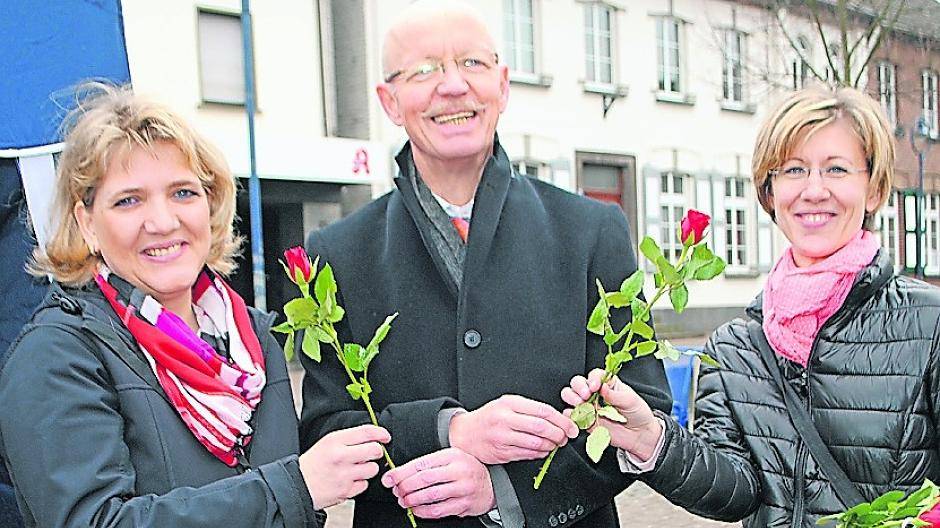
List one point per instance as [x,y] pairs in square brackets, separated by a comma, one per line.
[670,275]
[301,310]
[645,348]
[352,356]
[354,390]
[322,335]
[584,415]
[665,350]
[336,314]
[366,388]
[368,355]
[711,270]
[611,362]
[611,337]
[325,285]
[642,329]
[708,360]
[890,497]
[639,307]
[310,345]
[283,328]
[611,413]
[597,442]
[657,280]
[650,249]
[598,320]
[701,256]
[679,296]
[632,285]
[617,299]
[289,347]
[381,332]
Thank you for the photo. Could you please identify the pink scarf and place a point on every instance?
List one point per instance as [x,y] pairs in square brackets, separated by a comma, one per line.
[799,301]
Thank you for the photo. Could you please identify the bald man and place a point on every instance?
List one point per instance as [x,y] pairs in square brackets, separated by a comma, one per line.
[493,275]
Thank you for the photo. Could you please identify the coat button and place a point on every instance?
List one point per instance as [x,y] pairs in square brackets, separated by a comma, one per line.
[571,513]
[472,338]
[562,518]
[553,521]
[579,510]
[69,306]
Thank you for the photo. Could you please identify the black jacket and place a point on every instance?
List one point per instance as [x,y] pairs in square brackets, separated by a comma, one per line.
[516,325]
[90,438]
[871,386]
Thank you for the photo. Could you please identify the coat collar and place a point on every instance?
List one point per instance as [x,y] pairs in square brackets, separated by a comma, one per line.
[488,202]
[867,282]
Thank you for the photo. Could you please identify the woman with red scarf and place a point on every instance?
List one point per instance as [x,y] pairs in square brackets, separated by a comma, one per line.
[144,392]
[828,393]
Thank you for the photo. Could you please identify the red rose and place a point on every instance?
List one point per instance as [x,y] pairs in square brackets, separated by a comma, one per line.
[297,263]
[694,225]
[932,516]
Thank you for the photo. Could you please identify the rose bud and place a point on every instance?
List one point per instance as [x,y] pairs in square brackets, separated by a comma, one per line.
[694,225]
[297,265]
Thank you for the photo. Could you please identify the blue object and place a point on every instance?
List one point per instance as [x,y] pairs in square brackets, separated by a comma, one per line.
[9,514]
[48,47]
[679,375]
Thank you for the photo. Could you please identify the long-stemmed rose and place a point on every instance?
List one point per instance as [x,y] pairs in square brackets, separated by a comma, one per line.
[316,315]
[894,509]
[696,262]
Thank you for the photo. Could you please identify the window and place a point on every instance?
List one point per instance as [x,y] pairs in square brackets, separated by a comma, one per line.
[519,24]
[799,69]
[535,169]
[929,83]
[888,227]
[221,63]
[888,90]
[668,55]
[673,204]
[598,36]
[733,67]
[932,216]
[735,222]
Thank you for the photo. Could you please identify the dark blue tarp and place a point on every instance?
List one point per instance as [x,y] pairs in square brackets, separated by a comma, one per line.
[46,48]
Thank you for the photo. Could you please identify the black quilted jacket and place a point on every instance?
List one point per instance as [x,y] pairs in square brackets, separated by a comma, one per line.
[872,389]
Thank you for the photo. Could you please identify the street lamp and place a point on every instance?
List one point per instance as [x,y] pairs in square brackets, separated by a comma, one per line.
[919,131]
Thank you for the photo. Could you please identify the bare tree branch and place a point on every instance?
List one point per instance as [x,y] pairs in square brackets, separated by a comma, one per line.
[814,9]
[885,29]
[877,22]
[793,44]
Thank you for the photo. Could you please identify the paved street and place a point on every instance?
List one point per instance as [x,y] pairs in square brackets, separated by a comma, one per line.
[639,507]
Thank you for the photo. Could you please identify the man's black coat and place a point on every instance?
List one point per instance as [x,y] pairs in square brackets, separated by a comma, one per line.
[515,326]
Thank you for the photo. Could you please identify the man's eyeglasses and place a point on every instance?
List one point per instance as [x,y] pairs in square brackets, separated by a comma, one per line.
[801,173]
[433,69]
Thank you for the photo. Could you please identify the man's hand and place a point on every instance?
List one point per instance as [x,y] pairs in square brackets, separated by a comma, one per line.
[445,483]
[640,435]
[511,428]
[339,465]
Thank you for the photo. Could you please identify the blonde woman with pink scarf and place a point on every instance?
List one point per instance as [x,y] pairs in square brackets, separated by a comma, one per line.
[827,394]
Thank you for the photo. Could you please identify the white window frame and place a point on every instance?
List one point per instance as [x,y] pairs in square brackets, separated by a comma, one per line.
[888,90]
[675,203]
[732,71]
[534,168]
[931,112]
[736,234]
[889,229]
[215,86]
[664,60]
[932,234]
[799,68]
[593,34]
[514,20]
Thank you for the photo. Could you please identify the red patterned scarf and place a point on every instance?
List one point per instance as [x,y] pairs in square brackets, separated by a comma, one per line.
[215,396]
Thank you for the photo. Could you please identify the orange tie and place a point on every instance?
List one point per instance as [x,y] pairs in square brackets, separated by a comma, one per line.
[463,227]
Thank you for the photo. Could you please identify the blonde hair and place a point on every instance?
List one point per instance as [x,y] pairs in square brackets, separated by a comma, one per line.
[105,124]
[805,112]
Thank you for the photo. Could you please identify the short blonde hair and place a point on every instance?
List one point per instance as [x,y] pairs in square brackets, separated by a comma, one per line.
[805,112]
[105,124]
